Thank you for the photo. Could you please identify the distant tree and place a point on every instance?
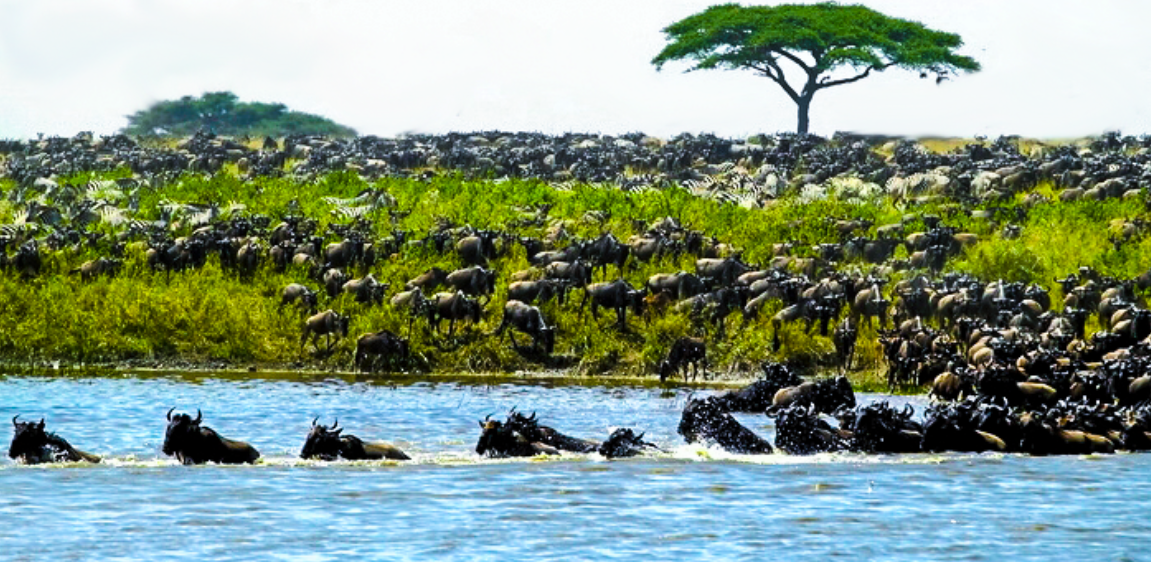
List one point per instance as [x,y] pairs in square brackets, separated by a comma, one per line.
[817,39]
[223,113]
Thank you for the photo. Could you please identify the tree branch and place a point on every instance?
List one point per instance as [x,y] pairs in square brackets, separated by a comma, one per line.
[779,79]
[772,72]
[825,83]
[793,58]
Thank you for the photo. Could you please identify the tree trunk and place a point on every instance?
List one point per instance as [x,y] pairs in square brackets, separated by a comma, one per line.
[804,105]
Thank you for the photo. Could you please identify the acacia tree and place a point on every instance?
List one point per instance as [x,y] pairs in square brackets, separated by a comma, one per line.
[224,113]
[829,44]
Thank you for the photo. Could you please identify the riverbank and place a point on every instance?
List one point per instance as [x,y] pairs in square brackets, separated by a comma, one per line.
[827,200]
[191,372]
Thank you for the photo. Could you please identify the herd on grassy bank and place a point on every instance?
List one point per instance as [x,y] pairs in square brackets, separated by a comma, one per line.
[824,241]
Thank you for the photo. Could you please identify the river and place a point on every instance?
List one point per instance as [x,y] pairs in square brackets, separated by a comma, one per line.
[688,503]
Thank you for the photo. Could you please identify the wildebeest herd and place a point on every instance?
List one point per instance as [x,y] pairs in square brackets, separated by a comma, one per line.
[1017,364]
[819,416]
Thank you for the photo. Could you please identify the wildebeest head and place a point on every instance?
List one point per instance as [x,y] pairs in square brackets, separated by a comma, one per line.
[181,433]
[548,338]
[841,394]
[623,442]
[472,309]
[323,442]
[635,299]
[28,438]
[487,281]
[494,437]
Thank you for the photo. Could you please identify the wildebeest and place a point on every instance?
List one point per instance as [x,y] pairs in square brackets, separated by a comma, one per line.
[32,445]
[623,442]
[542,291]
[412,301]
[704,420]
[800,431]
[724,271]
[371,348]
[949,386]
[499,440]
[828,395]
[428,280]
[366,289]
[757,397]
[192,443]
[844,338]
[334,280]
[476,250]
[473,281]
[879,428]
[344,253]
[297,293]
[574,273]
[325,324]
[1041,437]
[617,295]
[951,428]
[93,268]
[607,250]
[327,443]
[452,306]
[529,320]
[530,429]
[685,353]
[248,258]
[869,303]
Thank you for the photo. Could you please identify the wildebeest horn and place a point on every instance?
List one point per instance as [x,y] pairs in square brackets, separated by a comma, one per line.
[335,425]
[199,416]
[170,413]
[14,419]
[41,423]
[317,418]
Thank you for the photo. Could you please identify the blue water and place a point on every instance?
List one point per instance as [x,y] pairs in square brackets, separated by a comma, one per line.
[689,503]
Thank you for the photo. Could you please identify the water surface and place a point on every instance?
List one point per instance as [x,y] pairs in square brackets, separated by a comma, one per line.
[689,503]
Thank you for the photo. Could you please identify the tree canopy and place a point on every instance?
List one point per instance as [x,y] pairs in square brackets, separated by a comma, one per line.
[820,41]
[223,113]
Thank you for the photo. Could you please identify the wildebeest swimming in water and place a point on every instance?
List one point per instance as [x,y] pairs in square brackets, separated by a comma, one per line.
[757,397]
[192,443]
[326,443]
[828,395]
[800,431]
[531,429]
[705,420]
[523,436]
[500,440]
[32,445]
[623,442]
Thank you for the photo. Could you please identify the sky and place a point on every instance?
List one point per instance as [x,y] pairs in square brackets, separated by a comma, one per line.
[1051,68]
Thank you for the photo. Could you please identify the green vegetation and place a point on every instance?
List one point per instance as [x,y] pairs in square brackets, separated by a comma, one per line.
[817,39]
[209,317]
[224,114]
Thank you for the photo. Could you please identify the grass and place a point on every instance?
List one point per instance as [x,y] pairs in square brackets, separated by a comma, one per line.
[210,316]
